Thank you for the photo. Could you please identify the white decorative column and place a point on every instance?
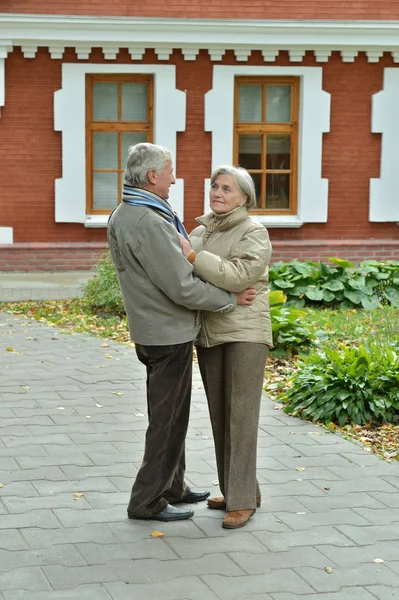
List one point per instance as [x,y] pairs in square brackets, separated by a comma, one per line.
[384,204]
[6,233]
[5,47]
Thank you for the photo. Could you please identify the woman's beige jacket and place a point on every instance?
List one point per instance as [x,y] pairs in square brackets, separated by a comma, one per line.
[233,252]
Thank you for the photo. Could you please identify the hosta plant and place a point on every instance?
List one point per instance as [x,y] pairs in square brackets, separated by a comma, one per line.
[350,385]
[342,284]
[290,334]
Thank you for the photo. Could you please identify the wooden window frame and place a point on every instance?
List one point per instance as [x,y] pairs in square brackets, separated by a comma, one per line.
[113,126]
[264,128]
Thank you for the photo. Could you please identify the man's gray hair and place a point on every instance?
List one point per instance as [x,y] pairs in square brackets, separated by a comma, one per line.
[243,180]
[142,158]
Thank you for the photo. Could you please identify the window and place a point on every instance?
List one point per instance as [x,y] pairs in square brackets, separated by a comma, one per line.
[309,190]
[118,114]
[70,118]
[266,139]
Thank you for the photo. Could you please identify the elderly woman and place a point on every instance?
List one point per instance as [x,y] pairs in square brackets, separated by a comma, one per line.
[232,251]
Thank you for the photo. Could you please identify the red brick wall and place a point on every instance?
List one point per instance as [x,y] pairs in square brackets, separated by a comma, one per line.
[30,152]
[84,256]
[352,250]
[216,9]
[30,149]
[51,257]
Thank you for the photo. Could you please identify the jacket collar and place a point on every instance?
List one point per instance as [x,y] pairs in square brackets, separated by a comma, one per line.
[227,220]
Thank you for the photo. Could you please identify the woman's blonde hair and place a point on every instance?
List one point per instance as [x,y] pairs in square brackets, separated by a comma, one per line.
[243,180]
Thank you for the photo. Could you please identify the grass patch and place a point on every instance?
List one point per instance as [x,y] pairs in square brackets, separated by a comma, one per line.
[353,327]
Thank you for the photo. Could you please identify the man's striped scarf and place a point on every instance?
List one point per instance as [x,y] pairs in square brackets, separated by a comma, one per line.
[140,197]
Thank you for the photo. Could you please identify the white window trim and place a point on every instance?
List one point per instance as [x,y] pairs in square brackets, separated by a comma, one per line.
[384,204]
[2,84]
[314,120]
[70,119]
[6,235]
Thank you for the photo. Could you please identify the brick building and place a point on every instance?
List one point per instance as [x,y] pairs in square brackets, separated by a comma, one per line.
[309,104]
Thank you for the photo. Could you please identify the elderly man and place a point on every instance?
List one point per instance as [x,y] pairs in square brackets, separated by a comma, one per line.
[161,297]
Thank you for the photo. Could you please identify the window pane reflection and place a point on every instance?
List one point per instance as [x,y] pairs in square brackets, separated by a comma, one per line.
[277,191]
[250,151]
[250,103]
[105,150]
[105,101]
[134,102]
[278,152]
[105,191]
[278,103]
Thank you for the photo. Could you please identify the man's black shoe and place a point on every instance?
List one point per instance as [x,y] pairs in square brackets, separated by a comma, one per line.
[193,497]
[169,513]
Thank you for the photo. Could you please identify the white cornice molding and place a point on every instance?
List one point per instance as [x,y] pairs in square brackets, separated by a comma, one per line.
[192,35]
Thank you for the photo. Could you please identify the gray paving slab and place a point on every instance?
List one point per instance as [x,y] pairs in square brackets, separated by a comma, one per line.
[70,445]
[42,285]
[382,592]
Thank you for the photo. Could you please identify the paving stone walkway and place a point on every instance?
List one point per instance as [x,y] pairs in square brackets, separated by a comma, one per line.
[72,425]
[38,285]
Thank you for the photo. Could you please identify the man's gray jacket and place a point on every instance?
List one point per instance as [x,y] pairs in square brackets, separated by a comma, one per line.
[160,292]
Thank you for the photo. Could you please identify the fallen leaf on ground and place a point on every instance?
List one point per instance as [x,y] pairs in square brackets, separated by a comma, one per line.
[108,356]
[328,570]
[78,495]
[1,485]
[157,534]
[299,468]
[25,387]
[10,349]
[118,393]
[378,560]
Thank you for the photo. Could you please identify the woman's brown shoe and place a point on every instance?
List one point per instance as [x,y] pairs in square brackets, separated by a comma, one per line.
[237,518]
[220,503]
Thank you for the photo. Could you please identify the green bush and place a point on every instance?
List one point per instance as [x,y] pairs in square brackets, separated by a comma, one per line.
[349,385]
[289,332]
[342,284]
[102,293]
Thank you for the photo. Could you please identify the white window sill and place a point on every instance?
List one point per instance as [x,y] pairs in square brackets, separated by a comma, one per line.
[96,221]
[278,221]
[93,221]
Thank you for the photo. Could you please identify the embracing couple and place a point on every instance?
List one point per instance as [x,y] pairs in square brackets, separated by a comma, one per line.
[209,288]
